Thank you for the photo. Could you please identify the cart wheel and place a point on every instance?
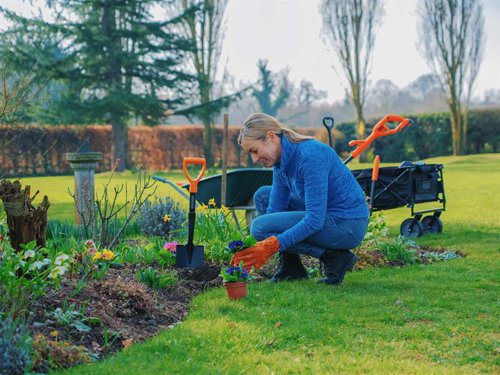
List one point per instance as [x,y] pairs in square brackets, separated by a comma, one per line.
[411,228]
[432,224]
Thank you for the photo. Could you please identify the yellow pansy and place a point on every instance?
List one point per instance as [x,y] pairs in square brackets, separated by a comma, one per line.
[97,256]
[108,254]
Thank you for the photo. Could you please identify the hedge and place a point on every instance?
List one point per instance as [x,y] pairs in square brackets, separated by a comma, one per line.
[40,150]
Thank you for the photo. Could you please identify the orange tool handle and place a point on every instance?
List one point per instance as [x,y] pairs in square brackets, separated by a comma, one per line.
[376,167]
[379,130]
[193,183]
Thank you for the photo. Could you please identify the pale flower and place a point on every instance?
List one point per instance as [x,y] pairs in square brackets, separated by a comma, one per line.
[166,218]
[57,271]
[37,265]
[28,254]
[59,260]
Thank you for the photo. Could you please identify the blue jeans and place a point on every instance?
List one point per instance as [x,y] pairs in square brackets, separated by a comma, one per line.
[337,233]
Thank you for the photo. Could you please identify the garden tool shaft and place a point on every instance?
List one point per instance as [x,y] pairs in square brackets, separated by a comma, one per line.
[190,255]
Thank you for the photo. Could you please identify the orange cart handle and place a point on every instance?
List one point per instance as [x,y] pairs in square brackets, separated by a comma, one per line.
[379,130]
[376,167]
[193,183]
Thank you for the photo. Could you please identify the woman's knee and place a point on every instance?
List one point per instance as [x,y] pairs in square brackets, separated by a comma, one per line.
[258,228]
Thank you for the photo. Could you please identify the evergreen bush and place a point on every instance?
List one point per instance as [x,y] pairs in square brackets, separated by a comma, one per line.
[161,217]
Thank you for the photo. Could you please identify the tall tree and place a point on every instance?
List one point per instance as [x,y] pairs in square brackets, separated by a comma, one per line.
[116,61]
[203,26]
[452,32]
[349,26]
[273,89]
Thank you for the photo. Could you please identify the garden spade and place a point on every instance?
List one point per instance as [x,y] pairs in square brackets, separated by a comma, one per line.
[190,255]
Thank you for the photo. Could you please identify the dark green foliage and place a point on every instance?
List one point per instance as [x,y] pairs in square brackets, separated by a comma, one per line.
[154,279]
[430,136]
[107,61]
[274,90]
[397,251]
[15,346]
[152,220]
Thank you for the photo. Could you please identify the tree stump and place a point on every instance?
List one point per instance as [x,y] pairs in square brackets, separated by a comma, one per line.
[26,223]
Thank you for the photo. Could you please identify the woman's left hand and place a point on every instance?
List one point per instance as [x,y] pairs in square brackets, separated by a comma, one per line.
[257,255]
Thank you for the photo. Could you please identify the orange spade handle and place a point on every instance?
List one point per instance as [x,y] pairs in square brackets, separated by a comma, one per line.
[379,130]
[376,166]
[193,183]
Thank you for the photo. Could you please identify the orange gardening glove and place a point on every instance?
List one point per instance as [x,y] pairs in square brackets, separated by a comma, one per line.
[257,255]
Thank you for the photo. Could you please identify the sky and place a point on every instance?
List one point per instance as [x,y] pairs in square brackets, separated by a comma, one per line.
[288,34]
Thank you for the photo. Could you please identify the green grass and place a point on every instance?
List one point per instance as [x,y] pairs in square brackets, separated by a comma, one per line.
[62,204]
[439,318]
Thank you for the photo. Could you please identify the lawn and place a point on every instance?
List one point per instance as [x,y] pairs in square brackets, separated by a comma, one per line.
[439,318]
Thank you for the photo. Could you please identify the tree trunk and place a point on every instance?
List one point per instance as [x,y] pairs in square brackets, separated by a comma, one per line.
[455,128]
[361,129]
[119,145]
[26,223]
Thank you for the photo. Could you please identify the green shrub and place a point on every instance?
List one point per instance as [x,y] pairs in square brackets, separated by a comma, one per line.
[15,346]
[396,251]
[69,315]
[26,275]
[161,217]
[154,279]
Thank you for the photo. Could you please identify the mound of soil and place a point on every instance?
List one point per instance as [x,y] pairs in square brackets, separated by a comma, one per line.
[128,311]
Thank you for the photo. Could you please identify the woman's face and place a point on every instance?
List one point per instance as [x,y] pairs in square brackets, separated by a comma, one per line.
[266,152]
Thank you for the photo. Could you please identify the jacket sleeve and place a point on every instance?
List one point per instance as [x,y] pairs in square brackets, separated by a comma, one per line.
[280,194]
[315,175]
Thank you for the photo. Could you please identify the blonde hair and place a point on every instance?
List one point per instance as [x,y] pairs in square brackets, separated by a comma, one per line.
[257,126]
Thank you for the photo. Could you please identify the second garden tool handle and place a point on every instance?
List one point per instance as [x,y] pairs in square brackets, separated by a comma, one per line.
[193,183]
[379,130]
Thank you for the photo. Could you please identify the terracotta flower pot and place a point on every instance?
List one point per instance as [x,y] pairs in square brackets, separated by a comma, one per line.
[236,290]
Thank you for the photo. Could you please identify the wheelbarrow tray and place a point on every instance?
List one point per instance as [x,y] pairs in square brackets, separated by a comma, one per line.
[241,186]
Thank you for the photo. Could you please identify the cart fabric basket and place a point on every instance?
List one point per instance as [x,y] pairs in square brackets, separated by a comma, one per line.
[403,186]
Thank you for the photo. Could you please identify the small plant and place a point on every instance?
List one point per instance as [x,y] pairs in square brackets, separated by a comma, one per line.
[377,229]
[154,279]
[235,274]
[15,346]
[26,275]
[240,242]
[213,223]
[161,218]
[69,315]
[166,255]
[396,251]
[55,354]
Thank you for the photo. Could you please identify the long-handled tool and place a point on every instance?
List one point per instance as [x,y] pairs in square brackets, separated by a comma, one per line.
[379,130]
[376,167]
[190,255]
[329,123]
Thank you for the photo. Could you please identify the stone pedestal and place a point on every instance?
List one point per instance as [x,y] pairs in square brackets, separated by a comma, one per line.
[84,165]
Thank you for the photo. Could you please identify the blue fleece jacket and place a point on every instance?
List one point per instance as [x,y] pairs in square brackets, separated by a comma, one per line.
[311,173]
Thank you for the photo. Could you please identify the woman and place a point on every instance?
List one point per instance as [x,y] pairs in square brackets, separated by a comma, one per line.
[314,207]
